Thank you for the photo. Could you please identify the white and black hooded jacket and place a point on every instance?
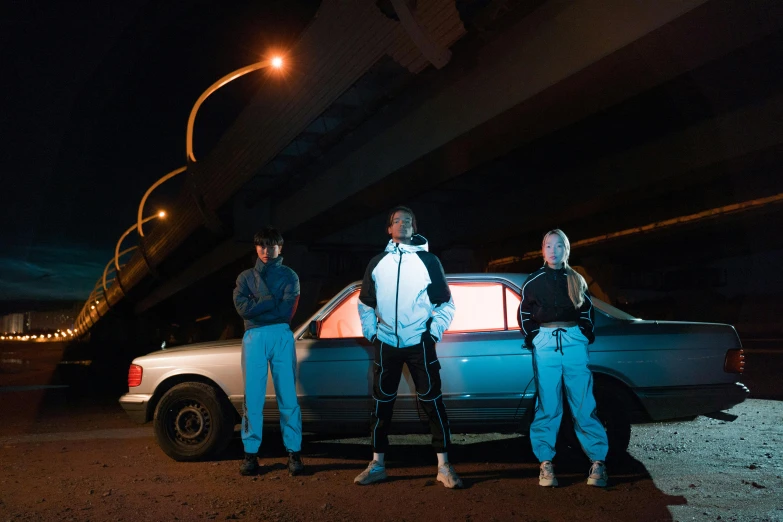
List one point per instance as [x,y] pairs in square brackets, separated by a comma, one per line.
[405,295]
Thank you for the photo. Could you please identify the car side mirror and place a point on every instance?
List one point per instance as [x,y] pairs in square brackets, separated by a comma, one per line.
[314,329]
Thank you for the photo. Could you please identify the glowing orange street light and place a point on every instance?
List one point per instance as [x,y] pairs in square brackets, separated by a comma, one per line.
[275,62]
[155,185]
[160,214]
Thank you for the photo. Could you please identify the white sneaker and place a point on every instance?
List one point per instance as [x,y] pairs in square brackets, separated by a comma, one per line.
[598,476]
[448,476]
[546,475]
[374,473]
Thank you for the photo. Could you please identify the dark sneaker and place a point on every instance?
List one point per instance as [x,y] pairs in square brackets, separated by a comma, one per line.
[598,476]
[249,465]
[295,464]
[546,475]
[374,473]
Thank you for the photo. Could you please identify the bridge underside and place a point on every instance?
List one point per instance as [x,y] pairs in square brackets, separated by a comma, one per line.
[588,116]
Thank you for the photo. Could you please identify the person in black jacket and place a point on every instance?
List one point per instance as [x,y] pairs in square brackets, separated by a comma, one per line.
[266,297]
[556,318]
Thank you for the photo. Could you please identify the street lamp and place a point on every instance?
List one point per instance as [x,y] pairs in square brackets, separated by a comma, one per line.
[160,214]
[111,262]
[155,185]
[275,62]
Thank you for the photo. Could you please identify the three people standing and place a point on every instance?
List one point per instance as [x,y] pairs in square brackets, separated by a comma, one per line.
[405,306]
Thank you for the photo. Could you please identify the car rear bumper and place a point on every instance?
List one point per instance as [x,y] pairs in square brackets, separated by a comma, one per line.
[687,401]
[135,405]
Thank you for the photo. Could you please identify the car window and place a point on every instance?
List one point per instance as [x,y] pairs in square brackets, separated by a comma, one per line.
[343,322]
[512,309]
[479,307]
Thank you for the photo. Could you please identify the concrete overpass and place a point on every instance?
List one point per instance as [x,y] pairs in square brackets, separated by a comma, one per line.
[494,120]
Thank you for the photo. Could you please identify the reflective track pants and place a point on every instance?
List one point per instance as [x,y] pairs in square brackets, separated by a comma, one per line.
[264,348]
[560,357]
[422,361]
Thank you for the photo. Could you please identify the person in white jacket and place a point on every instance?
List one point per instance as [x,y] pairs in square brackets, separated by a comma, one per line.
[405,305]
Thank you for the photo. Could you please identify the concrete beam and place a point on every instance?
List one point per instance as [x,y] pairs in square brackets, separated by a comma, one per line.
[555,67]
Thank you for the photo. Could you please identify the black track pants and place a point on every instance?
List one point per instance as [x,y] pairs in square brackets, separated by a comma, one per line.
[422,361]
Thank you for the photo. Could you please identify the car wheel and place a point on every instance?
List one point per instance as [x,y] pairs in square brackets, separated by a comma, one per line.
[613,410]
[192,422]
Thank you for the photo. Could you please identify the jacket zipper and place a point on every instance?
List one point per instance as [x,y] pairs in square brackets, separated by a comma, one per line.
[397,299]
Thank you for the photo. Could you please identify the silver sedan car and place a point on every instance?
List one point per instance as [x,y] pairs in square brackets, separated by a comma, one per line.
[644,371]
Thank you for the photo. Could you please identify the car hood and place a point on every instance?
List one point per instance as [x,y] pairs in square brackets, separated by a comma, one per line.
[200,347]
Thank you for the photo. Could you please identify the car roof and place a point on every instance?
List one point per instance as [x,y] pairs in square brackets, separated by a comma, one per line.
[516,279]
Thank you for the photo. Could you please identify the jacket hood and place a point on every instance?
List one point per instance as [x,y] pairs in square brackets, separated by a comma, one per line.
[418,244]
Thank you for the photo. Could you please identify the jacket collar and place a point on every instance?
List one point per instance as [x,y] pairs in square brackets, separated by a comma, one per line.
[549,270]
[418,244]
[260,266]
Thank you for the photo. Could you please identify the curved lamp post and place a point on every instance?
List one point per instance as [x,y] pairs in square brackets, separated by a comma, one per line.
[160,214]
[275,62]
[111,261]
[139,220]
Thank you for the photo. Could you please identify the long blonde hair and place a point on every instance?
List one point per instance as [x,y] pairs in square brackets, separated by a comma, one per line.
[577,286]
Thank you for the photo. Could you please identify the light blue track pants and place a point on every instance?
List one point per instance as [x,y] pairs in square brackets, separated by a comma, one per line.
[560,357]
[264,348]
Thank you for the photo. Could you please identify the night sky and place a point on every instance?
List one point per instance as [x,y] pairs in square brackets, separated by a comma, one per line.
[95,104]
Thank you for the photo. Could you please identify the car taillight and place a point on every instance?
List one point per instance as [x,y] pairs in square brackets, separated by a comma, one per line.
[134,375]
[735,361]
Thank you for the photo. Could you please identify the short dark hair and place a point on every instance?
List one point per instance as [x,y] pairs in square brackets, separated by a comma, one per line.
[402,208]
[268,236]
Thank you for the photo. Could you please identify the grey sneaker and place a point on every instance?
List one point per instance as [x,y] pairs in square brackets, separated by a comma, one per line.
[598,476]
[374,473]
[546,475]
[448,476]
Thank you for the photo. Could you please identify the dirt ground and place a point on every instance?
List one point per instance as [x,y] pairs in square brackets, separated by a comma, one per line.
[67,456]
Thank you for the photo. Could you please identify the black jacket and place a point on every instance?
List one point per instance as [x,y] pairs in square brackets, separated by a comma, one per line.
[545,300]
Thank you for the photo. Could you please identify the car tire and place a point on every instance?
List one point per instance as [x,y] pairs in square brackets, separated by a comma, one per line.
[192,422]
[613,409]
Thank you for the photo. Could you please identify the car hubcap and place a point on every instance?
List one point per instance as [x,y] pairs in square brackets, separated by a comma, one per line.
[191,424]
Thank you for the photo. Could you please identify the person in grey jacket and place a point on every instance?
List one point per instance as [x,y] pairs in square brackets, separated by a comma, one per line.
[266,297]
[405,305]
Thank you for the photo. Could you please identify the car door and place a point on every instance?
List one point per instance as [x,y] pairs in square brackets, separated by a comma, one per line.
[334,382]
[486,372]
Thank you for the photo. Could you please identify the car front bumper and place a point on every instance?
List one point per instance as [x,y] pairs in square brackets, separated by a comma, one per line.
[688,401]
[135,405]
